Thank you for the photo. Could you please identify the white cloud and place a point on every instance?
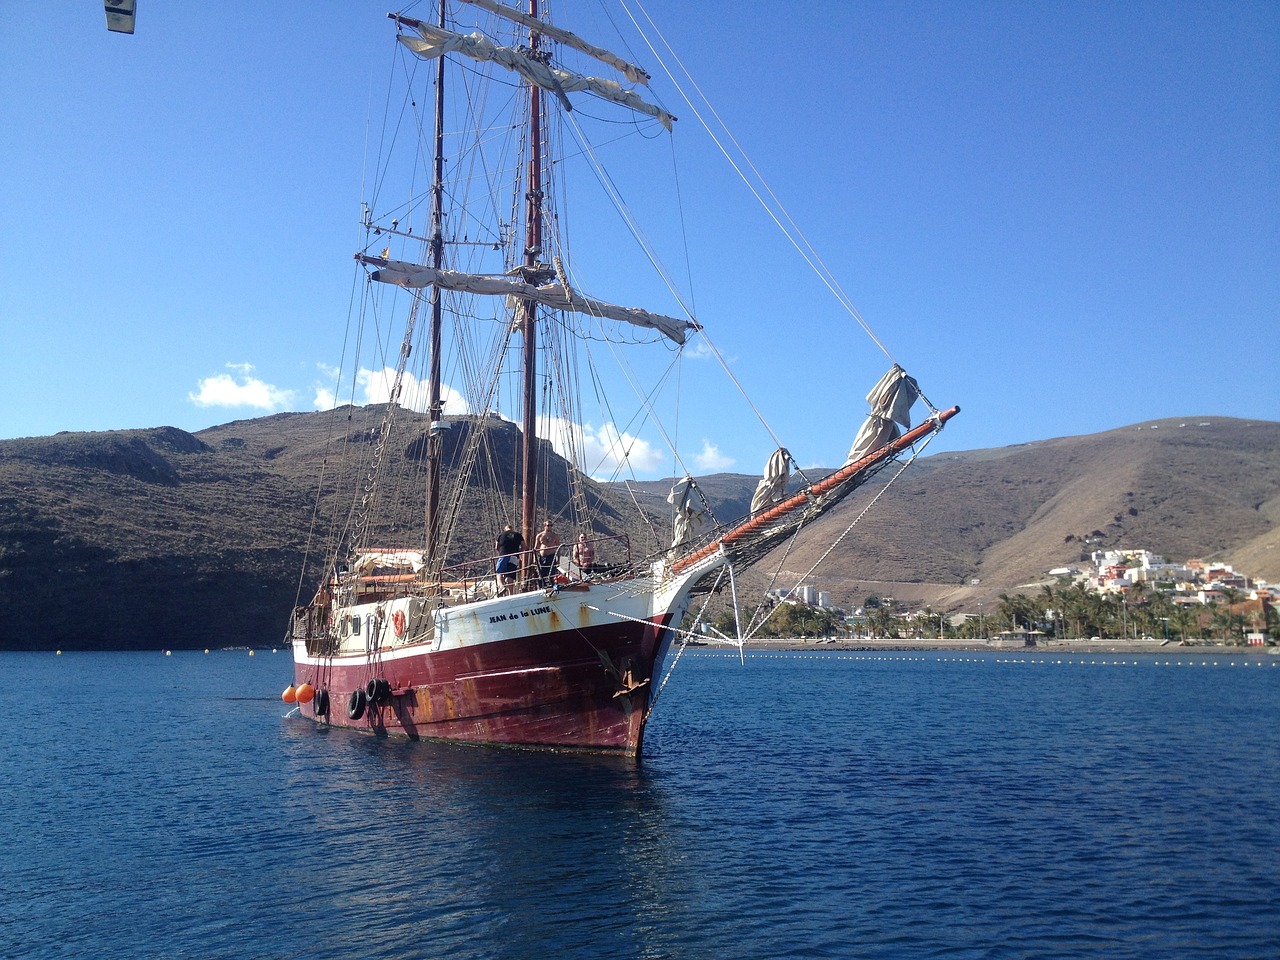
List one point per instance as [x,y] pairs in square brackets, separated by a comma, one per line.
[414,393]
[605,449]
[375,385]
[325,398]
[225,390]
[701,350]
[711,459]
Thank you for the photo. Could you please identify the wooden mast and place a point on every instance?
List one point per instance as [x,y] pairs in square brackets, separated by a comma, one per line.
[532,251]
[435,408]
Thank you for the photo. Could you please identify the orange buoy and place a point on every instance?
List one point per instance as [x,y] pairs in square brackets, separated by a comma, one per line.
[305,693]
[289,695]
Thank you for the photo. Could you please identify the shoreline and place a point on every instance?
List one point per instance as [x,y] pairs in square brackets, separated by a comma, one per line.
[1112,646]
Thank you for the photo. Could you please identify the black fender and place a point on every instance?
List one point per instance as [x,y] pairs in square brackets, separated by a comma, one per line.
[377,690]
[356,704]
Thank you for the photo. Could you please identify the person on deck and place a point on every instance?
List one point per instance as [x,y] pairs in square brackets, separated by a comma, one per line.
[508,546]
[584,556]
[546,544]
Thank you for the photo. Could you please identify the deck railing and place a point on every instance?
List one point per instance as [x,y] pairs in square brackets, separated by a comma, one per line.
[467,582]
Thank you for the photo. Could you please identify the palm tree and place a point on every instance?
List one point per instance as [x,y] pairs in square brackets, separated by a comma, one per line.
[1160,610]
[1019,610]
[882,622]
[1076,602]
[1233,620]
[1220,620]
[1231,595]
[1141,597]
[1051,602]
[1182,618]
[1256,619]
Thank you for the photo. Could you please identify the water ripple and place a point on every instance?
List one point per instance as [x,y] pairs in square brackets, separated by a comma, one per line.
[791,806]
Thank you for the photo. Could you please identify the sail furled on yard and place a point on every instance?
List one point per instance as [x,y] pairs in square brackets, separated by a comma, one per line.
[688,517]
[435,42]
[557,295]
[629,70]
[891,399]
[773,487]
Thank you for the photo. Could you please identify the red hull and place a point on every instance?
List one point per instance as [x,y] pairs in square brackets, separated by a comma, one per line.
[584,690]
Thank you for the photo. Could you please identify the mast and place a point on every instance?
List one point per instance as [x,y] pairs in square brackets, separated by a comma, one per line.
[530,282]
[533,249]
[435,409]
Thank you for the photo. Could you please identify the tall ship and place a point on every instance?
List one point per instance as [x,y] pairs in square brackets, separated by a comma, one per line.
[468,580]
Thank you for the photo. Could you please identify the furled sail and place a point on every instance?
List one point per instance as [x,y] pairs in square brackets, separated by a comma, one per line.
[891,401]
[689,517]
[372,560]
[629,70]
[773,487]
[436,42]
[555,295]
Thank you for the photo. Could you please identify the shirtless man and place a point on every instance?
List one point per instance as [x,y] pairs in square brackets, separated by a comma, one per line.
[545,545]
[584,555]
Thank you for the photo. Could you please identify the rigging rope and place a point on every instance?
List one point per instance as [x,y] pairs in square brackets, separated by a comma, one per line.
[836,542]
[777,212]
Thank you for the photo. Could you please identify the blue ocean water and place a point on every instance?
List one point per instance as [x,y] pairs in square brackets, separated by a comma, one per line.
[791,805]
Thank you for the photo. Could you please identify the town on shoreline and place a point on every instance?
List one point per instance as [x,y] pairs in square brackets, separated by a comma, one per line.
[1124,596]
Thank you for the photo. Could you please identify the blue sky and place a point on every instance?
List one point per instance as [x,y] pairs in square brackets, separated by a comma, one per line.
[1064,217]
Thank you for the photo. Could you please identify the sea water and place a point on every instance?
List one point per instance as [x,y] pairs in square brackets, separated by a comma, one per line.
[788,805]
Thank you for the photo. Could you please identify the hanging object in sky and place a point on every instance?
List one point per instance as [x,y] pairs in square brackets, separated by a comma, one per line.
[120,15]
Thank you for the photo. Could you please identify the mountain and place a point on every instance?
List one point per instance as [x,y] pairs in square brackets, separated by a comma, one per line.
[1196,487]
[141,539]
[155,538]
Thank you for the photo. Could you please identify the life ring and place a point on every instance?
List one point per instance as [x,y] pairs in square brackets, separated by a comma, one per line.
[321,703]
[356,704]
[397,621]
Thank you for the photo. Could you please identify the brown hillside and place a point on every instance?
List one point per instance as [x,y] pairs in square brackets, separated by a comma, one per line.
[150,538]
[1193,487]
[161,538]
[1198,487]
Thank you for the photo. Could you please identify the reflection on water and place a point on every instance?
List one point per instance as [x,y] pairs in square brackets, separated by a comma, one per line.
[455,841]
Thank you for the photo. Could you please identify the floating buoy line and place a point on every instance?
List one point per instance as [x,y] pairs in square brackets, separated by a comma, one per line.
[1230,660]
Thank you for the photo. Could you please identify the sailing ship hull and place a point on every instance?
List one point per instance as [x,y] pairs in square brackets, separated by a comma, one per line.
[541,670]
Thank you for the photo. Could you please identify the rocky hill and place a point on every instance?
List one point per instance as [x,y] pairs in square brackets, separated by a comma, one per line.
[140,539]
[157,537]
[1206,487]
